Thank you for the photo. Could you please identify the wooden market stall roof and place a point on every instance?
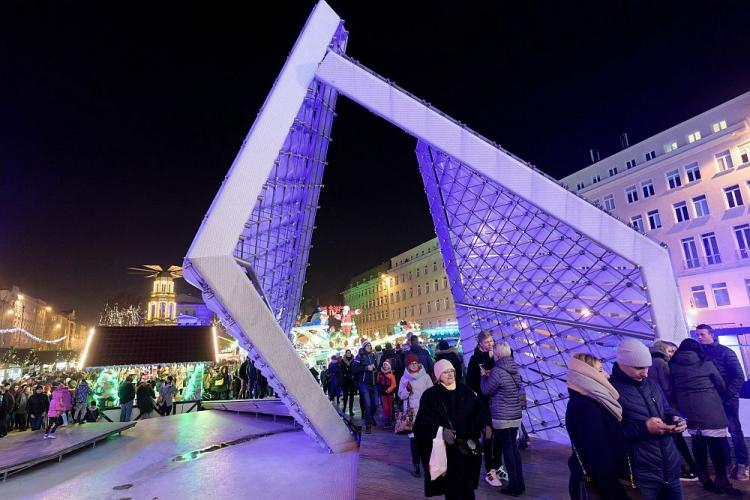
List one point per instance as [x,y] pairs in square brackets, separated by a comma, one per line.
[149,345]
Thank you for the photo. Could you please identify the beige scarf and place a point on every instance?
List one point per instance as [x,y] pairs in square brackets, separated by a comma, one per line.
[589,381]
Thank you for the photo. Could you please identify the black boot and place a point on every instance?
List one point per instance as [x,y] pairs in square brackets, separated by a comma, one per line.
[416,472]
[707,483]
[723,485]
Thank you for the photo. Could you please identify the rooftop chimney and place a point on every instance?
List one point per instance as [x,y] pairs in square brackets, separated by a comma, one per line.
[594,155]
[624,141]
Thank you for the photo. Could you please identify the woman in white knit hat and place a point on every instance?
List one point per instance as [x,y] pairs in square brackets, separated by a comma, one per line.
[455,408]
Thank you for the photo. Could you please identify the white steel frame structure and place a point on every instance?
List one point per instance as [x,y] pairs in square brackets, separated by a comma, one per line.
[527,259]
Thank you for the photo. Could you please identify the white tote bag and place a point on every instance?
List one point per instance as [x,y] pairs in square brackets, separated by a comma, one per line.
[438,457]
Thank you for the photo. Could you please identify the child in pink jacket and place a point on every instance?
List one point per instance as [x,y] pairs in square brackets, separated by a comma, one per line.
[58,405]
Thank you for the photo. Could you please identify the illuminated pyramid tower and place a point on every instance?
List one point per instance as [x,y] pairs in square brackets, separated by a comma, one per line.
[162,303]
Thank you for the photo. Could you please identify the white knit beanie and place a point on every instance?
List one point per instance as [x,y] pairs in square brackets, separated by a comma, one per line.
[632,352]
[441,366]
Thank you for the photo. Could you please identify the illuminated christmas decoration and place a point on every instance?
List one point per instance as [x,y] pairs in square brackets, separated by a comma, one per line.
[162,304]
[121,316]
[32,336]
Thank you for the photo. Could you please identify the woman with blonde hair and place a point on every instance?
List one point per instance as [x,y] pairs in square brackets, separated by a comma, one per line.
[593,419]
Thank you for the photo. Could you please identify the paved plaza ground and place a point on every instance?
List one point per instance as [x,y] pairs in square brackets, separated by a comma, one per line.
[220,454]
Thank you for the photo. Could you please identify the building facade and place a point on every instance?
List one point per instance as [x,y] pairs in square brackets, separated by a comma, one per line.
[411,287]
[689,187]
[28,322]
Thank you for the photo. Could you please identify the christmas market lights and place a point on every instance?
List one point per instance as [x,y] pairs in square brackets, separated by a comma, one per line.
[32,336]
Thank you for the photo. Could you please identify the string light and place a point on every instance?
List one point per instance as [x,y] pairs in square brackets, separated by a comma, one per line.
[31,336]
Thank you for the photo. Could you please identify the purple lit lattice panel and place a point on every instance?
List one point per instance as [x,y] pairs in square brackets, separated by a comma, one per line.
[530,279]
[275,242]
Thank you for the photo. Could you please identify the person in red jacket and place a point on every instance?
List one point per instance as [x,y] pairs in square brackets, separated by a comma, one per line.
[387,382]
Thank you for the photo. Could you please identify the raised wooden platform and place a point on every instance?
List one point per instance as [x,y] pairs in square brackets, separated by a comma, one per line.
[21,450]
[260,406]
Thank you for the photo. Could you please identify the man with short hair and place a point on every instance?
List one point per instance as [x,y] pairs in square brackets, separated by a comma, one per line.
[649,424]
[167,392]
[730,370]
[126,394]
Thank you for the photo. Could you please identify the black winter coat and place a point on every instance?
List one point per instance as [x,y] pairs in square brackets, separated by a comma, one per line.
[335,375]
[460,410]
[38,404]
[597,437]
[126,392]
[654,457]
[473,375]
[729,367]
[698,387]
[359,368]
[452,356]
[659,373]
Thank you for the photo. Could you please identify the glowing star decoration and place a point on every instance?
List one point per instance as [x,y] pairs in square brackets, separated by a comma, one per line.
[515,243]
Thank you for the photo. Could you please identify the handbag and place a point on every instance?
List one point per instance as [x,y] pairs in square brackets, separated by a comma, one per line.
[404,420]
[587,490]
[467,447]
[438,456]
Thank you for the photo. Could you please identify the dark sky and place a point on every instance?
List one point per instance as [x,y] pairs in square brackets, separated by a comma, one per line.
[118,121]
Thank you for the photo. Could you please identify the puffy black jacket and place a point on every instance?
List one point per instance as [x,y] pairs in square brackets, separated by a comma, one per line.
[654,457]
[359,367]
[729,367]
[698,387]
[502,386]
[597,437]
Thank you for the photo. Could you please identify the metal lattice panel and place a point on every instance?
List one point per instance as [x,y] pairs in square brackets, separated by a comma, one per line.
[530,279]
[275,242]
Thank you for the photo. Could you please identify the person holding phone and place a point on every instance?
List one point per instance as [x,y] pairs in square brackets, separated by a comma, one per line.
[698,389]
[648,422]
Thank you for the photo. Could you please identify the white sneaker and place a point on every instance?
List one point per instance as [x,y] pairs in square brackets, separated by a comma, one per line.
[742,472]
[46,436]
[501,474]
[51,436]
[491,478]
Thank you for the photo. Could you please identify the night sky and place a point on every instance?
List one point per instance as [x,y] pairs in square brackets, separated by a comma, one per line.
[118,121]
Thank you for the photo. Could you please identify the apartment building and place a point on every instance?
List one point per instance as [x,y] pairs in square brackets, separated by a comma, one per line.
[689,187]
[411,287]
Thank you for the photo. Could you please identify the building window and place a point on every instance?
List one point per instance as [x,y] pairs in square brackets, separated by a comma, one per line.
[425,270]
[650,155]
[631,193]
[445,283]
[681,212]
[690,252]
[609,202]
[654,221]
[629,164]
[412,311]
[744,151]
[417,272]
[695,136]
[596,179]
[637,222]
[648,188]
[673,179]
[668,148]
[747,287]
[724,161]
[411,292]
[580,186]
[721,294]
[700,204]
[427,287]
[613,171]
[742,233]
[437,305]
[429,306]
[409,275]
[420,309]
[419,290]
[719,126]
[711,247]
[434,267]
[700,301]
[693,172]
[734,196]
[436,285]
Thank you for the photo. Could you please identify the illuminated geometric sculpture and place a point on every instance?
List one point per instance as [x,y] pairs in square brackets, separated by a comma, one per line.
[526,258]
